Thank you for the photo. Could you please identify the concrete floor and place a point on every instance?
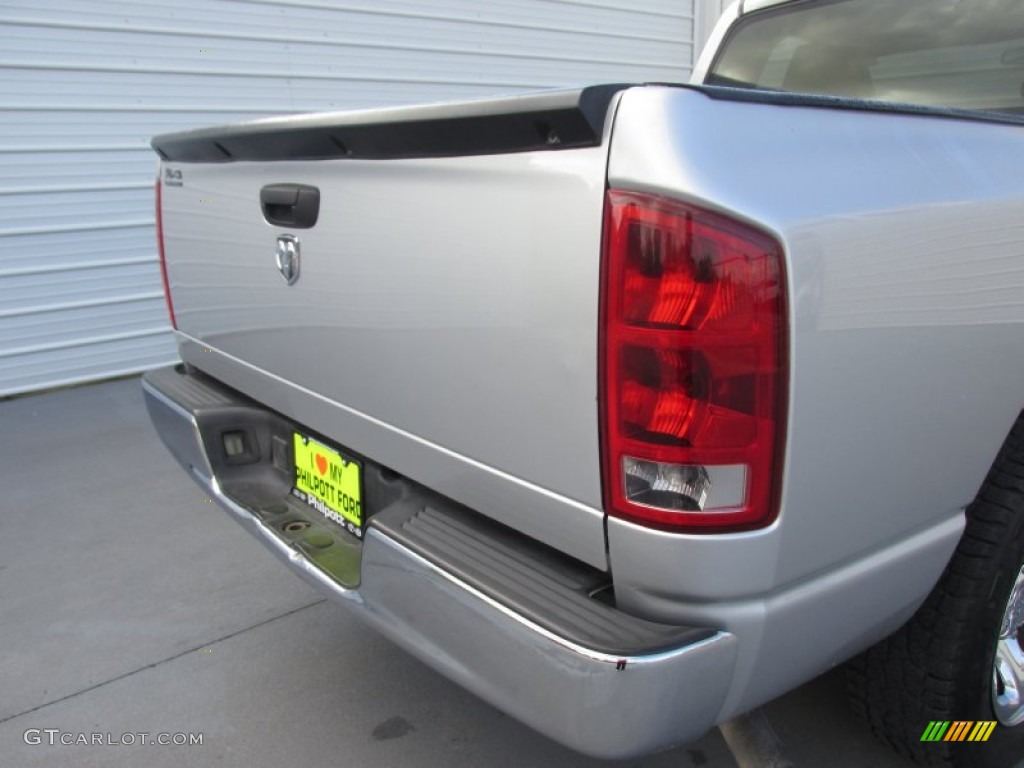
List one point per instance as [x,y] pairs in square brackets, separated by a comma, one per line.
[128,604]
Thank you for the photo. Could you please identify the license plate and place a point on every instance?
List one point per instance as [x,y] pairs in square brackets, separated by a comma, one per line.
[329,482]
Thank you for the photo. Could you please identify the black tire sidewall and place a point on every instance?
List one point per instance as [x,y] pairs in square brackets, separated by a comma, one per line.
[1005,748]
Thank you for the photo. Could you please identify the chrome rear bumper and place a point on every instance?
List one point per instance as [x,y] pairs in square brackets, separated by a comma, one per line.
[602,704]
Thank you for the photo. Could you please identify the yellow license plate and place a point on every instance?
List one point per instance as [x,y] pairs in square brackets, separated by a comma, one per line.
[329,482]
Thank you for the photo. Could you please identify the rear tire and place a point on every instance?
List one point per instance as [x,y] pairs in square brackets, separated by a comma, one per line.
[939,666]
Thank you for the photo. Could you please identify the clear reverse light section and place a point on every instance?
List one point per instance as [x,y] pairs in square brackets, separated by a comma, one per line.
[684,487]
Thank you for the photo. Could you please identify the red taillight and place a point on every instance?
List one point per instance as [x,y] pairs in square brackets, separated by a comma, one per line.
[692,366]
[160,248]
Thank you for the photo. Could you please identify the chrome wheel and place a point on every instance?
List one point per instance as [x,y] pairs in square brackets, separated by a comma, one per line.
[1008,669]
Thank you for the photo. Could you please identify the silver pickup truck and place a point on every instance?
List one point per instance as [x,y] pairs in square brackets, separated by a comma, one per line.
[630,408]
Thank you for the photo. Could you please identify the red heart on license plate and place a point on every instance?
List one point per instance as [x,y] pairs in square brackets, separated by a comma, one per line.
[321,464]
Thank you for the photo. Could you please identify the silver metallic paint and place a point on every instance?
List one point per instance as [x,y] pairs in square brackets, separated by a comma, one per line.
[905,262]
[451,300]
[905,268]
[788,635]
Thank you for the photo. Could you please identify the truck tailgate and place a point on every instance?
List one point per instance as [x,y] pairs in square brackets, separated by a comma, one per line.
[444,302]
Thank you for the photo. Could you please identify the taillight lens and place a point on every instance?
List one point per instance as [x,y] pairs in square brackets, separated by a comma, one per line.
[160,248]
[692,367]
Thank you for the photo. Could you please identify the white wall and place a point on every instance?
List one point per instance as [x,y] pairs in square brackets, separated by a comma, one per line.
[84,84]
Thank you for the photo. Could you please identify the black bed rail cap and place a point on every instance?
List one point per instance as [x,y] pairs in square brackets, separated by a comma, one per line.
[543,120]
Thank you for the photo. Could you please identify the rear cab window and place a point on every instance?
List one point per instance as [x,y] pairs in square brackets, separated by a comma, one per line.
[961,54]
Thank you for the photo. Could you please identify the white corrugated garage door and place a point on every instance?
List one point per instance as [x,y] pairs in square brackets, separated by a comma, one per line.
[84,84]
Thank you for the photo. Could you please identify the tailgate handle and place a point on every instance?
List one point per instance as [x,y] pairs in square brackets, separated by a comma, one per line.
[295,206]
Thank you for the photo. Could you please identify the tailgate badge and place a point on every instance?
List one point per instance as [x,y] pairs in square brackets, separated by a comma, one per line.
[173,178]
[287,257]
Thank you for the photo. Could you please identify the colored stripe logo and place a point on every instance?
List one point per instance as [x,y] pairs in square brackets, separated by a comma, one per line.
[958,730]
